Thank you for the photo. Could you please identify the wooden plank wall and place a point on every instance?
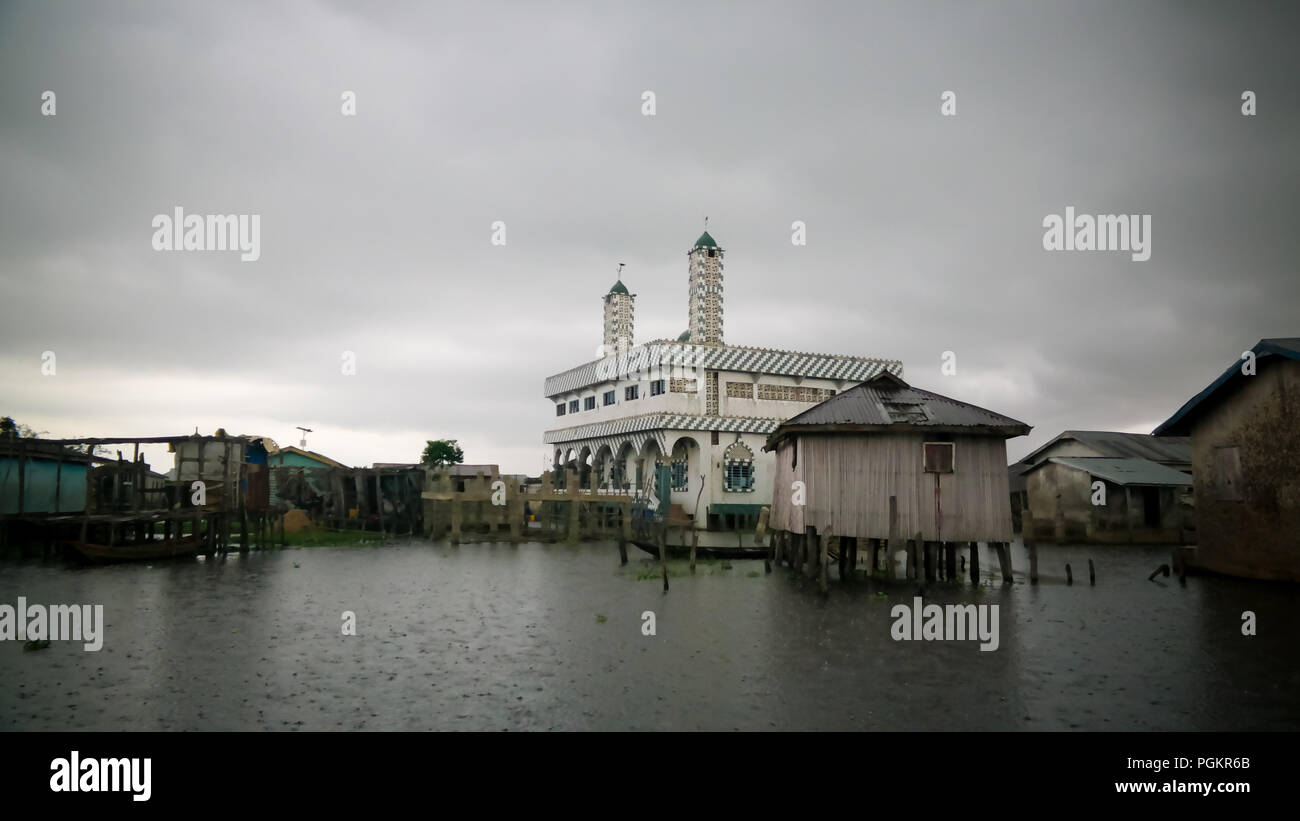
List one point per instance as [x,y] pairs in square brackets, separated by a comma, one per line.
[850,478]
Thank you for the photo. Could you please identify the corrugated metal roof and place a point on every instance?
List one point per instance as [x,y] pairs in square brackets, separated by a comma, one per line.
[1119,445]
[1181,422]
[1124,472]
[886,401]
[663,354]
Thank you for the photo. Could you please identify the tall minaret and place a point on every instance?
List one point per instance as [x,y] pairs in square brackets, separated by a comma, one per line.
[619,307]
[706,291]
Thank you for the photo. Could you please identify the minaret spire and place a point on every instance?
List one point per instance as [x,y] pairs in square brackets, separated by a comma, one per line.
[705,312]
[619,309]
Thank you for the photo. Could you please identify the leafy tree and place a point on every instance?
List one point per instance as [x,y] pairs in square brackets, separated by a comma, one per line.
[8,427]
[441,453]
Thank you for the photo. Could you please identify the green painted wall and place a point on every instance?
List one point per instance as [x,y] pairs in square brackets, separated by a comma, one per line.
[294,460]
[39,486]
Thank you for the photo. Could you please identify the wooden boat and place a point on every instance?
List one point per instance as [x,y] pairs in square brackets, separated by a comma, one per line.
[677,551]
[147,551]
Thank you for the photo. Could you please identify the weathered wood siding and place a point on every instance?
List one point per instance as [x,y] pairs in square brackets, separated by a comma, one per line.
[850,477]
[785,515]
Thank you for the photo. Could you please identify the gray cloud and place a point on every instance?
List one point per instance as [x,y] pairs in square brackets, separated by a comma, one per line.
[924,231]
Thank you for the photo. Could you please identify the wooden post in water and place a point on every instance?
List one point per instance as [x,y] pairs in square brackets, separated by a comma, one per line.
[1004,560]
[22,475]
[1069,575]
[1092,574]
[1031,544]
[975,563]
[1128,511]
[625,533]
[895,537]
[695,540]
[455,520]
[823,561]
[928,548]
[517,507]
[950,563]
[853,557]
[571,488]
[663,553]
[911,560]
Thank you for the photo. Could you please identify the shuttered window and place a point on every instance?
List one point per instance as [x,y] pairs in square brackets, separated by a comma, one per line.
[939,457]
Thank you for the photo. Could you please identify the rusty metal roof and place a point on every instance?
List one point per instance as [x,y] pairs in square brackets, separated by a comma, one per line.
[1119,445]
[886,402]
[1124,472]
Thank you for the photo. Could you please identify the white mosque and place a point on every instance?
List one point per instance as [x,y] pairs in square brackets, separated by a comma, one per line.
[701,406]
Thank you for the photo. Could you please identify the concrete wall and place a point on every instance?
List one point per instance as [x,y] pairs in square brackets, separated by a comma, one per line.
[686,403]
[1056,488]
[1257,533]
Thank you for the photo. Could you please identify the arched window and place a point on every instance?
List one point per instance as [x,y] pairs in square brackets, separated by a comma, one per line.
[738,468]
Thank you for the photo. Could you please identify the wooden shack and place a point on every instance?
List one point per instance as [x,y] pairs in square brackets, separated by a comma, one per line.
[1245,429]
[886,461]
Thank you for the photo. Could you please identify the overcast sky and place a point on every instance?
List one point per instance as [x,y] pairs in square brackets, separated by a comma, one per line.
[924,231]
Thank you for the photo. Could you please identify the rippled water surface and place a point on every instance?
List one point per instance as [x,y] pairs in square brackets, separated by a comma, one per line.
[503,637]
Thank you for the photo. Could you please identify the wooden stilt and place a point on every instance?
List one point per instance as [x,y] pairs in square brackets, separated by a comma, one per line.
[928,548]
[515,507]
[663,554]
[1004,561]
[975,563]
[1031,543]
[1092,573]
[695,540]
[819,558]
[455,521]
[895,537]
[575,524]
[1069,576]
[911,560]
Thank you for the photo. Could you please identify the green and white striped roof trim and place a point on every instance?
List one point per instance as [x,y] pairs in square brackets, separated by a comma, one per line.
[665,354]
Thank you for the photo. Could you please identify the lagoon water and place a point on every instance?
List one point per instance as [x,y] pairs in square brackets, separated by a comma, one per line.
[540,637]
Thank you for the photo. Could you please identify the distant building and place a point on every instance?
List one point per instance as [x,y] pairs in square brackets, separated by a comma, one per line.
[1245,433]
[941,460]
[1080,499]
[296,457]
[43,468]
[1145,486]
